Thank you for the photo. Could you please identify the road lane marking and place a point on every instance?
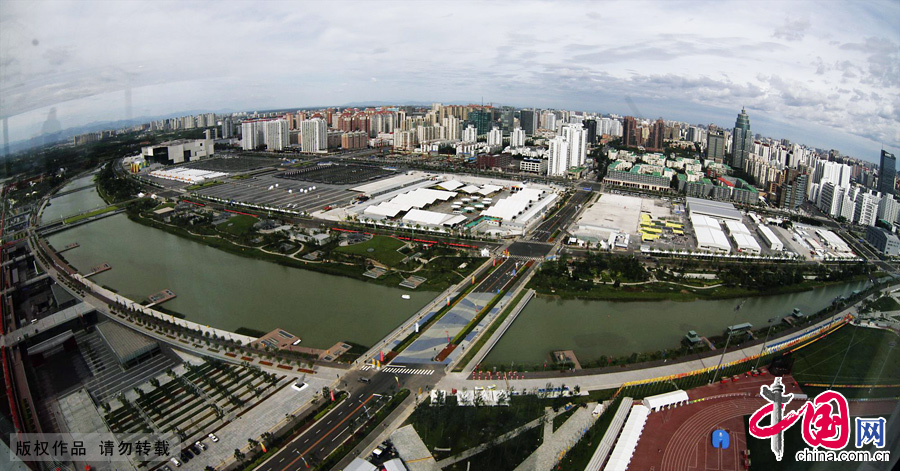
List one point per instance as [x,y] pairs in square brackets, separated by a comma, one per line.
[326,434]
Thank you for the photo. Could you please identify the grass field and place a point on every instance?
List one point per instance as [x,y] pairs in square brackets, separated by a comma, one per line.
[90,214]
[461,428]
[384,250]
[239,225]
[870,359]
[885,303]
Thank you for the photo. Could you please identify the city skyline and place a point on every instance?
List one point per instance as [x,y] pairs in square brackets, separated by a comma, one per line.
[839,89]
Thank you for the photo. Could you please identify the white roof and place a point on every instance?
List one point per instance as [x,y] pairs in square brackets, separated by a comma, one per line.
[450,185]
[514,205]
[431,218]
[628,440]
[470,189]
[488,189]
[359,464]
[745,242]
[398,181]
[386,209]
[454,220]
[709,234]
[394,465]
[736,227]
[665,399]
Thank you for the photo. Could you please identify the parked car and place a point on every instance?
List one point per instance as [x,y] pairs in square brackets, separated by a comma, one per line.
[213,437]
[175,461]
[200,445]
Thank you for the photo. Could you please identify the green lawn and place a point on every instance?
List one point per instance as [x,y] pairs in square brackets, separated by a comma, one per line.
[867,362]
[90,214]
[885,303]
[461,428]
[384,250]
[238,225]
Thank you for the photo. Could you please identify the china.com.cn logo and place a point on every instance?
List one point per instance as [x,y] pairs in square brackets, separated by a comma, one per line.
[826,421]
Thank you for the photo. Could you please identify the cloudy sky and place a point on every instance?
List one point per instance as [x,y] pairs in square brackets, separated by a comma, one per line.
[826,74]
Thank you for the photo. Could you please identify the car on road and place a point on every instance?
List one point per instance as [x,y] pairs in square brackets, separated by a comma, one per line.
[363,379]
[213,437]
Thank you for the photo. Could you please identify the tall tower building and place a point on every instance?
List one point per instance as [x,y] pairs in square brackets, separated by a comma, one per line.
[657,132]
[591,126]
[715,145]
[576,137]
[887,172]
[529,120]
[629,132]
[314,135]
[495,137]
[517,138]
[742,140]
[559,157]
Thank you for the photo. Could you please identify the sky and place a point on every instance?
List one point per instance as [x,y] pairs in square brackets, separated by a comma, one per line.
[826,74]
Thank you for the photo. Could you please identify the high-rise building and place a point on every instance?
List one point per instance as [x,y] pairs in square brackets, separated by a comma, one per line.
[548,120]
[887,172]
[591,126]
[227,128]
[495,137]
[251,135]
[559,157]
[529,119]
[507,116]
[715,145]
[276,135]
[791,191]
[314,135]
[451,126]
[866,209]
[657,131]
[576,137]
[481,119]
[887,209]
[742,140]
[630,136]
[470,134]
[517,138]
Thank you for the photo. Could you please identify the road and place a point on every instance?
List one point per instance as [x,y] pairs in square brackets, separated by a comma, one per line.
[545,230]
[323,437]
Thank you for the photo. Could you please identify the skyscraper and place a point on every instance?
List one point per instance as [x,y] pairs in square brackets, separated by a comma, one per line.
[629,132]
[742,140]
[314,135]
[887,171]
[529,121]
[715,145]
[559,156]
[517,138]
[657,131]
[591,126]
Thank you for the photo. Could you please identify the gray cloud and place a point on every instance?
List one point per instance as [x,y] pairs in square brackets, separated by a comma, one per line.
[792,30]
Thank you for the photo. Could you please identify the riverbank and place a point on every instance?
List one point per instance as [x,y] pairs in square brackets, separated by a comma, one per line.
[671,291]
[438,276]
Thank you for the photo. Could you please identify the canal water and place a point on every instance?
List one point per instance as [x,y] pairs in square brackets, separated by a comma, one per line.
[596,328]
[227,291]
[73,203]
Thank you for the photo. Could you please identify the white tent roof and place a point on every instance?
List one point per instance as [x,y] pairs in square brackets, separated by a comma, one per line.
[430,218]
[628,440]
[488,189]
[470,189]
[709,234]
[386,209]
[665,399]
[359,464]
[454,220]
[449,185]
[514,205]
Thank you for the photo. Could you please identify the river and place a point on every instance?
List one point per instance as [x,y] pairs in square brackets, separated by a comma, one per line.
[73,203]
[596,328]
[228,291]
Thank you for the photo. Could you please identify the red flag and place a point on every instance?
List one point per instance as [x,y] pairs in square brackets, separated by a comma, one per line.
[332,396]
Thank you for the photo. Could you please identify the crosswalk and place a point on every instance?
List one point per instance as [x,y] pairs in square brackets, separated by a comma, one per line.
[401,370]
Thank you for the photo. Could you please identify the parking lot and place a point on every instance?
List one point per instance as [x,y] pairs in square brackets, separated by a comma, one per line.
[271,192]
[336,174]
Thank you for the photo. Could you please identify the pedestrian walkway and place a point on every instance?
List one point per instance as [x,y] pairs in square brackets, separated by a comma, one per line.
[402,370]
[558,443]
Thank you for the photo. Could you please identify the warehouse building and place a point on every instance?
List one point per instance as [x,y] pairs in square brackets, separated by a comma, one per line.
[714,209]
[769,237]
[709,234]
[180,151]
[743,240]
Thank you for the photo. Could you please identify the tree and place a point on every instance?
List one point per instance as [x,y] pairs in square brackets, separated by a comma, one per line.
[238,455]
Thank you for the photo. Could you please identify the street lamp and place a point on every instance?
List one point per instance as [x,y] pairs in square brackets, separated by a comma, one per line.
[768,331]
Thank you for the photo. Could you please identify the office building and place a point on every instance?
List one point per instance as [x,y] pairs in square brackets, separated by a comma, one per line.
[591,126]
[576,137]
[866,212]
[630,133]
[742,140]
[657,132]
[481,119]
[715,145]
[887,172]
[528,120]
[884,241]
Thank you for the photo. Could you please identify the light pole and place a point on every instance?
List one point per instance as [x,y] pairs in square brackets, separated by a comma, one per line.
[761,350]
[727,341]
